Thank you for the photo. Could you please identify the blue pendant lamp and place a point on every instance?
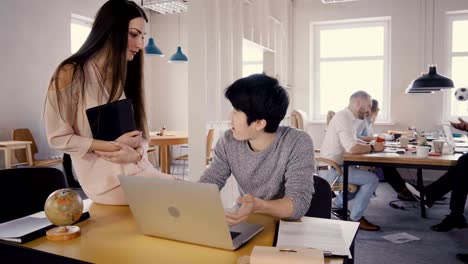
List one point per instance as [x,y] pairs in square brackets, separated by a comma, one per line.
[152,49]
[430,82]
[179,56]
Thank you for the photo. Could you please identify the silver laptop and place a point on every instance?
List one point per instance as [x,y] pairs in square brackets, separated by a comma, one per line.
[185,211]
[448,135]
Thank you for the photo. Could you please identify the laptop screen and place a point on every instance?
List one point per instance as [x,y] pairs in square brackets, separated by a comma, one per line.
[448,135]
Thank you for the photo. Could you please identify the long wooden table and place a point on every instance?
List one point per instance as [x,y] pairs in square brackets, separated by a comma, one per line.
[407,160]
[111,236]
[163,142]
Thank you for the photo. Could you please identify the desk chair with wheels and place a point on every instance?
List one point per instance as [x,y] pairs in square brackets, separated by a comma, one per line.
[24,191]
[24,134]
[320,205]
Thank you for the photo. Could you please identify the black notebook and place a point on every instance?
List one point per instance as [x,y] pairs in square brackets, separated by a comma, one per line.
[110,121]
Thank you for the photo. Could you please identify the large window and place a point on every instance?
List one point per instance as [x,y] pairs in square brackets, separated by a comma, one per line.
[80,27]
[347,57]
[458,63]
[252,58]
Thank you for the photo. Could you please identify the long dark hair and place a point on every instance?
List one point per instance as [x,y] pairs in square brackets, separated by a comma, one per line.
[110,32]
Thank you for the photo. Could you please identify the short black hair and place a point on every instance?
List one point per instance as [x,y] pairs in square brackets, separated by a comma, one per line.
[259,97]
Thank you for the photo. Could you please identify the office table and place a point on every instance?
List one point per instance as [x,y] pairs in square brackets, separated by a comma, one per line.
[9,146]
[169,138]
[111,236]
[407,160]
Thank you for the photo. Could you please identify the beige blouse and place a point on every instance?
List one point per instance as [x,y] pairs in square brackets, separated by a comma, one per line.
[97,176]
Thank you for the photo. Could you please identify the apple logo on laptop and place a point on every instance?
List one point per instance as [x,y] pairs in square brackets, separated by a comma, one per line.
[173,211]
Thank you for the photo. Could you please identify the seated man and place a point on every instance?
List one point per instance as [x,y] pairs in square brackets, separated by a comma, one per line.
[272,164]
[341,138]
[365,132]
[454,180]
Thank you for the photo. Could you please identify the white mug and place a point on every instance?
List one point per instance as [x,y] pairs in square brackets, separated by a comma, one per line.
[422,151]
[404,141]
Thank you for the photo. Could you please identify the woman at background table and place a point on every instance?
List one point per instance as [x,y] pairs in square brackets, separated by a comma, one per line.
[108,67]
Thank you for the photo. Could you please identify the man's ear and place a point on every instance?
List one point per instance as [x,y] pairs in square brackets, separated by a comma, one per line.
[260,124]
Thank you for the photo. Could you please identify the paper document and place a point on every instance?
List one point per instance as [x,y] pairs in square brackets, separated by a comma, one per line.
[333,236]
[399,238]
[32,226]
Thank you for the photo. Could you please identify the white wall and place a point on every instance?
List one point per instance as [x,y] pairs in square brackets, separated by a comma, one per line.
[407,61]
[167,90]
[35,39]
[188,96]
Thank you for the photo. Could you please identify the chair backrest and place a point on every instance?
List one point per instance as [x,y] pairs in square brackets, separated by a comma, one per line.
[209,144]
[24,191]
[298,118]
[23,134]
[330,115]
[320,205]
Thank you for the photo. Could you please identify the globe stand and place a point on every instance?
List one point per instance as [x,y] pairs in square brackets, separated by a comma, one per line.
[62,233]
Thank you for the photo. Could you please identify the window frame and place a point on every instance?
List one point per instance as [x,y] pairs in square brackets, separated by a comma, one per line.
[315,60]
[451,17]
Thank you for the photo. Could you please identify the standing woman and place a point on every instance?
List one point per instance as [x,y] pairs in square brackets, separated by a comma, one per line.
[108,67]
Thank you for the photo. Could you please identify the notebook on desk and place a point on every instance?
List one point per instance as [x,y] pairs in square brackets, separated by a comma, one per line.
[110,121]
[184,211]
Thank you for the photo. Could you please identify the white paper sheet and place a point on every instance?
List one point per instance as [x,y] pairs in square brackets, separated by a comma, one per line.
[332,236]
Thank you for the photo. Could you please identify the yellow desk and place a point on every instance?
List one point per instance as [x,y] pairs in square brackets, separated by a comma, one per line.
[111,236]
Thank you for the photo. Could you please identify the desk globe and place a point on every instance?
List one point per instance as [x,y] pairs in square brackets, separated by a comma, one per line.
[63,208]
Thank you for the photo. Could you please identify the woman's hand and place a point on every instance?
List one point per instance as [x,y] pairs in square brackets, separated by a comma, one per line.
[125,154]
[132,139]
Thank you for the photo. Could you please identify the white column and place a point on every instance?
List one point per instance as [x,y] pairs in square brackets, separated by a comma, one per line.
[197,86]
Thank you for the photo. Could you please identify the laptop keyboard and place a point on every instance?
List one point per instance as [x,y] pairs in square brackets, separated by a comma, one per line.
[234,234]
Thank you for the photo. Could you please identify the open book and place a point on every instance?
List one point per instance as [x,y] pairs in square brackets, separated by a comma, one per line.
[334,237]
[25,229]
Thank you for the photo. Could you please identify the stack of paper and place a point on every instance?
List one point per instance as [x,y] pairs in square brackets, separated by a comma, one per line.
[334,237]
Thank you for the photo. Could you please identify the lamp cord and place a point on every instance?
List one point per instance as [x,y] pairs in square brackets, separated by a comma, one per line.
[433,30]
[178,25]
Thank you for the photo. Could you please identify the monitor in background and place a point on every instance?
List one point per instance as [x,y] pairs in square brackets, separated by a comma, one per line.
[448,135]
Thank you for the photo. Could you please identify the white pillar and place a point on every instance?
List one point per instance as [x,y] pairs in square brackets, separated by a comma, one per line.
[197,86]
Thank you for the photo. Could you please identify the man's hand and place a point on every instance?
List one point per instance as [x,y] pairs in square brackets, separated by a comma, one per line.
[132,139]
[247,207]
[125,154]
[461,126]
[379,146]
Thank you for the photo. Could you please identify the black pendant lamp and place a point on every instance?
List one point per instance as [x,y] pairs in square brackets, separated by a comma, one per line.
[430,82]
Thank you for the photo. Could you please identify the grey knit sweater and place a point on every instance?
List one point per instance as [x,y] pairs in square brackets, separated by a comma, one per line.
[284,169]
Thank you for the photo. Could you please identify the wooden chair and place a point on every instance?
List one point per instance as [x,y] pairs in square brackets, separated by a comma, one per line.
[336,186]
[23,134]
[209,149]
[330,115]
[298,118]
